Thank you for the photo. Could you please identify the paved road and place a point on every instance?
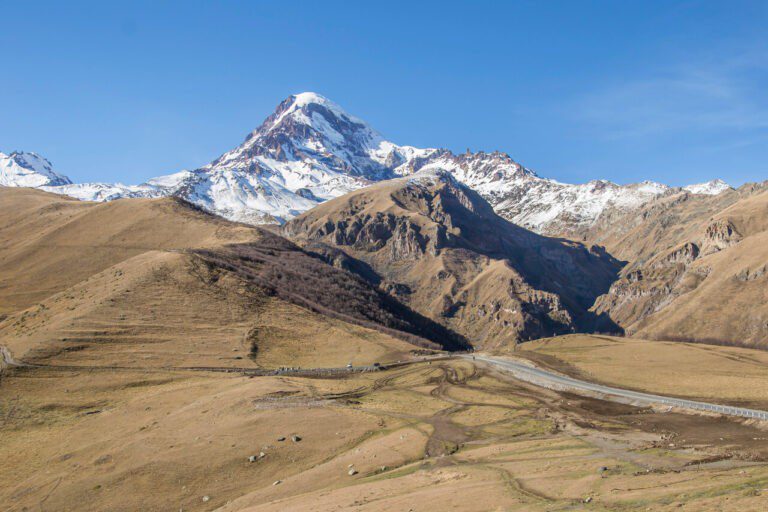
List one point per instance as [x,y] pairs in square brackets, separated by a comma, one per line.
[521,371]
[556,381]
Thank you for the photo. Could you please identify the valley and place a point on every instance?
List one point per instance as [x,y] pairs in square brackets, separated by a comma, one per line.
[322,320]
[264,256]
[436,433]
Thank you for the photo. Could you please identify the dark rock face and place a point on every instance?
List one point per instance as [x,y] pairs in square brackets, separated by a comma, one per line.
[306,194]
[685,255]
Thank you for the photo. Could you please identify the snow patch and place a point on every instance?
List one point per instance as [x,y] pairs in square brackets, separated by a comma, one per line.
[710,188]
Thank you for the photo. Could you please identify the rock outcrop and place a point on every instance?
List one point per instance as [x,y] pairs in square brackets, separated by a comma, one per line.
[438,246]
[697,270]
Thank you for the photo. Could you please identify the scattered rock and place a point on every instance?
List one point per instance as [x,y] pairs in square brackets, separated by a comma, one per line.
[588,499]
[281,439]
[104,459]
[206,499]
[295,438]
[352,472]
[254,458]
[277,482]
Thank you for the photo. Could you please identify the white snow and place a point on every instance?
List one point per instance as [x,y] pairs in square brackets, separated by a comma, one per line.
[710,188]
[105,191]
[170,180]
[24,169]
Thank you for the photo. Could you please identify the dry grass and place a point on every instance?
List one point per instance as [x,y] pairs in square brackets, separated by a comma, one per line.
[448,256]
[164,440]
[696,269]
[153,283]
[727,374]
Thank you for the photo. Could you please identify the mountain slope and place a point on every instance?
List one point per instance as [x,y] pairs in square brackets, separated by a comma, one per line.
[50,242]
[20,169]
[542,205]
[697,270]
[439,247]
[310,150]
[101,281]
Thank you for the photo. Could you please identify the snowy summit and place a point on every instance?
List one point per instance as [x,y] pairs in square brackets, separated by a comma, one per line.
[20,169]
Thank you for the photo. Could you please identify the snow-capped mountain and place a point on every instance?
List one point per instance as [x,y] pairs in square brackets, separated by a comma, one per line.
[310,150]
[20,169]
[541,204]
[710,188]
[156,187]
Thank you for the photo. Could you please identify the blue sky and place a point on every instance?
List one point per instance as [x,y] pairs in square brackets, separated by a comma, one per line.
[625,90]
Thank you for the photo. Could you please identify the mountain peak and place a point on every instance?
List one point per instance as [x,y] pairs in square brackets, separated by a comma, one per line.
[710,188]
[303,99]
[27,169]
[300,109]
[310,150]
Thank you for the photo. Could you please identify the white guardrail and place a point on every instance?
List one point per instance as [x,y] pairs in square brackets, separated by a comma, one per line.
[554,381]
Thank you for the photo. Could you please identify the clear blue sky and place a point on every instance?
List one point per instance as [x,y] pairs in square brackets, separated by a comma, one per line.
[624,90]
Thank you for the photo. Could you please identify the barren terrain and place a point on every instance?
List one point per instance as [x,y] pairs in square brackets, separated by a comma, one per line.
[432,435]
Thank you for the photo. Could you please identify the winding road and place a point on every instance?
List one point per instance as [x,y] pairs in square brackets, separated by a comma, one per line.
[555,381]
[520,370]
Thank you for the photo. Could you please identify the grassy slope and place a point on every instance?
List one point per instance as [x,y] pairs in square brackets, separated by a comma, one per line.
[728,374]
[158,283]
[164,440]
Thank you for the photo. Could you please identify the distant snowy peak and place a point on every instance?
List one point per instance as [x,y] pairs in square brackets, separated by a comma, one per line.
[309,140]
[24,169]
[308,151]
[540,204]
[710,188]
[161,186]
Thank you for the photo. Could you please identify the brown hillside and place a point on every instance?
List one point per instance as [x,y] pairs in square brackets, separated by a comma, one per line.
[699,271]
[159,283]
[439,247]
[50,242]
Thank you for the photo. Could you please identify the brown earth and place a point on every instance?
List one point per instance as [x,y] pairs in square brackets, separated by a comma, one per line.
[109,298]
[445,435]
[696,268]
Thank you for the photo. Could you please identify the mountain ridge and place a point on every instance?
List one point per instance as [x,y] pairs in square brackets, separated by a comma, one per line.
[310,150]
